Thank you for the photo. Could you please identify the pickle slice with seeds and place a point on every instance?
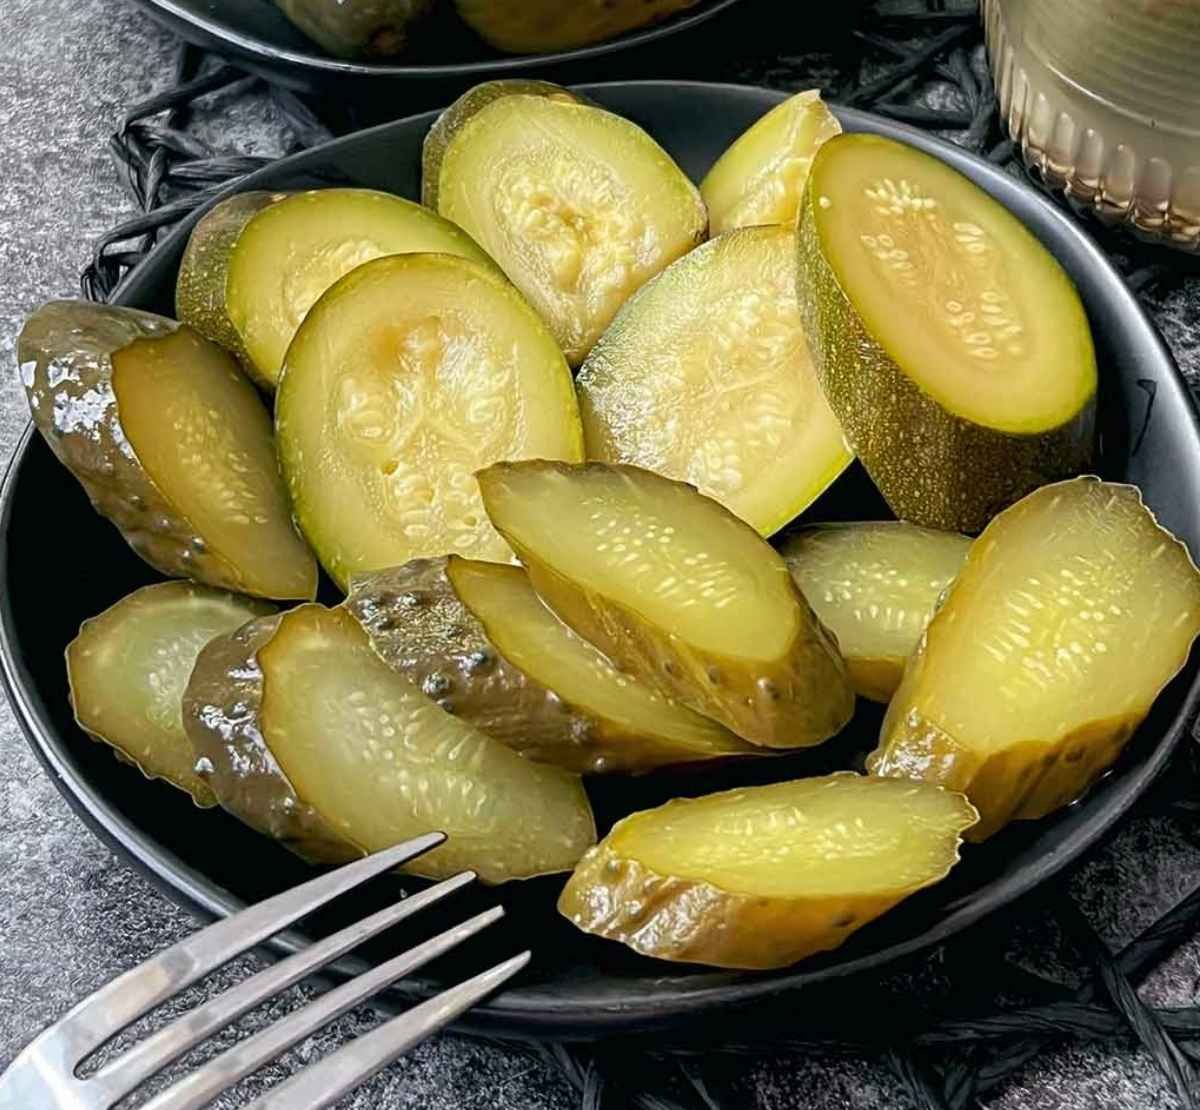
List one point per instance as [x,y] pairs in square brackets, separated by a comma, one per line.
[357,28]
[705,376]
[476,637]
[950,343]
[763,876]
[407,376]
[129,666]
[171,443]
[314,740]
[760,178]
[578,206]
[875,586]
[1072,612]
[677,592]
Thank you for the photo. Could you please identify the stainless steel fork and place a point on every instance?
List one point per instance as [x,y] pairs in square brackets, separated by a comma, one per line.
[43,1076]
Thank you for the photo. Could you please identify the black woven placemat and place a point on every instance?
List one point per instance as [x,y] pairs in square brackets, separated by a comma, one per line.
[959,1027]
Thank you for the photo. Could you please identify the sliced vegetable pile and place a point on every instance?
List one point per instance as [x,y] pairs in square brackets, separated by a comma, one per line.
[546,579]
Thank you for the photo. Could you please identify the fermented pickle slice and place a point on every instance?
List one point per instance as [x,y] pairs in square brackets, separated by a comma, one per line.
[356,28]
[760,178]
[128,668]
[950,343]
[540,26]
[314,740]
[409,375]
[477,638]
[875,586]
[1072,611]
[257,262]
[763,876]
[677,592]
[577,205]
[171,443]
[705,376]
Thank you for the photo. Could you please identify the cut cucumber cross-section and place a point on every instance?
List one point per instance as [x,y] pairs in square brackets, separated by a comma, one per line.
[764,876]
[1073,610]
[578,206]
[677,592]
[542,26]
[129,666]
[408,375]
[875,586]
[950,343]
[314,740]
[476,637]
[705,376]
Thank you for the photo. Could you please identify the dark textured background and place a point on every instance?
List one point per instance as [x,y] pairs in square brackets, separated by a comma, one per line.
[71,916]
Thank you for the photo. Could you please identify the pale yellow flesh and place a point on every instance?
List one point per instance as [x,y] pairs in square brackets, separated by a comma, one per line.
[760,178]
[839,835]
[200,431]
[535,641]
[540,26]
[292,251]
[410,375]
[705,376]
[578,206]
[953,286]
[381,763]
[129,666]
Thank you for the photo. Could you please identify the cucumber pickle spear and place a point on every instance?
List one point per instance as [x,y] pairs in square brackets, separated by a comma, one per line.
[408,375]
[875,587]
[357,28]
[1073,610]
[763,876]
[477,638]
[170,442]
[314,740]
[258,261]
[760,178]
[677,592]
[705,376]
[128,668]
[578,206]
[950,343]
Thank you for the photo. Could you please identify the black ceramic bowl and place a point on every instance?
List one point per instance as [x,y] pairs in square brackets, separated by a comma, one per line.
[60,563]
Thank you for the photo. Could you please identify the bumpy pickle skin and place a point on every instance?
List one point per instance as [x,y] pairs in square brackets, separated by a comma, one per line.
[875,586]
[476,638]
[762,877]
[705,376]
[950,343]
[127,400]
[129,666]
[1072,612]
[316,741]
[577,205]
[676,592]
[357,28]
[543,26]
[759,180]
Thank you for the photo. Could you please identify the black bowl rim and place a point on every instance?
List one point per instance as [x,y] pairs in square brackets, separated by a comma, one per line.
[530,1010]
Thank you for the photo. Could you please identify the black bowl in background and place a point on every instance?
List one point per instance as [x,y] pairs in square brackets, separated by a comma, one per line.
[60,563]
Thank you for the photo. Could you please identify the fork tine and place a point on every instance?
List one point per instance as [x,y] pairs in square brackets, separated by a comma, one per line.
[154,1053]
[341,1071]
[100,1016]
[204,1084]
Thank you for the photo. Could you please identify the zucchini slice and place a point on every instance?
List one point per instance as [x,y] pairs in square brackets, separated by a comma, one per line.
[705,376]
[578,206]
[477,638]
[950,343]
[258,261]
[170,442]
[763,876]
[875,586]
[357,28]
[677,592]
[1073,610]
[314,740]
[128,668]
[408,375]
[760,178]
